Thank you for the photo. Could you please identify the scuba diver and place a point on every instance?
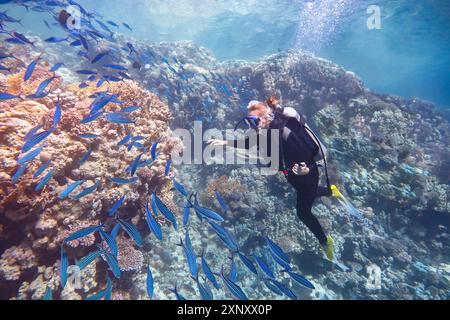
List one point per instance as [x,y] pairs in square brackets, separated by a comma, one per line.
[300,150]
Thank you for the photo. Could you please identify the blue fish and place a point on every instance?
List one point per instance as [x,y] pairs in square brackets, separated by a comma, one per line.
[14,40]
[131,109]
[44,181]
[22,37]
[225,236]
[64,264]
[135,144]
[85,157]
[138,138]
[131,47]
[116,206]
[190,255]
[91,117]
[86,72]
[39,95]
[177,294]
[115,231]
[118,118]
[125,181]
[167,169]
[233,270]
[153,150]
[208,213]
[48,295]
[115,67]
[301,280]
[179,187]
[55,40]
[281,262]
[127,26]
[3,68]
[272,287]
[83,85]
[5,56]
[283,288]
[92,77]
[149,283]
[207,271]
[29,156]
[110,241]
[135,164]
[221,200]
[264,267]
[83,55]
[56,67]
[87,191]
[186,213]
[124,75]
[32,132]
[88,136]
[41,169]
[75,43]
[125,140]
[44,84]
[153,225]
[84,42]
[278,254]
[100,56]
[233,287]
[69,189]
[164,210]
[112,23]
[19,172]
[205,292]
[100,102]
[7,96]
[113,264]
[248,263]
[83,233]
[57,116]
[132,232]
[111,78]
[88,259]
[30,69]
[36,139]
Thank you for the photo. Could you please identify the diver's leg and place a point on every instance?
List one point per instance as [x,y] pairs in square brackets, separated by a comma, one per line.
[323,192]
[304,204]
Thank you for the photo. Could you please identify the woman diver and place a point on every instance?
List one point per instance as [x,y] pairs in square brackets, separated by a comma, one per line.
[299,149]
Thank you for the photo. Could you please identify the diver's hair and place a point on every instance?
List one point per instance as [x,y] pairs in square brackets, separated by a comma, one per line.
[272,102]
[255,106]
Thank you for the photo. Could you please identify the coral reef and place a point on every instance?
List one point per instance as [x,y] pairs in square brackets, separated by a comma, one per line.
[389,155]
[44,219]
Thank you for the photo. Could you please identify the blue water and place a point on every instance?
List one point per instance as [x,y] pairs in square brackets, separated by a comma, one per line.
[408,56]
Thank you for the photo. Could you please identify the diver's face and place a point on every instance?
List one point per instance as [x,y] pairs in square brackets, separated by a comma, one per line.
[265,120]
[264,115]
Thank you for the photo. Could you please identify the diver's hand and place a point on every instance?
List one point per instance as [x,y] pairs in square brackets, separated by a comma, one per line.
[217,142]
[300,169]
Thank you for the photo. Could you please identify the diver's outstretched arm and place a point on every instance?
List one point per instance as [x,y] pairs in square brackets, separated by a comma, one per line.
[237,143]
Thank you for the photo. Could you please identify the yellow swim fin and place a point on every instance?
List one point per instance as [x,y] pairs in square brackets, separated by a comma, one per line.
[336,193]
[329,248]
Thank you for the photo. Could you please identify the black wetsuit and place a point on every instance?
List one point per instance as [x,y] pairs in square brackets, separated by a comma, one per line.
[297,147]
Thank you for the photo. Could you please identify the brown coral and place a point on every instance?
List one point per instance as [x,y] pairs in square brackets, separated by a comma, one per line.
[224,185]
[45,219]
